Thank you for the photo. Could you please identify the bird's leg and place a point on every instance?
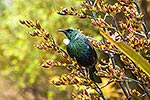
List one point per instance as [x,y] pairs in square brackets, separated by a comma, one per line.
[81,70]
[85,74]
[88,72]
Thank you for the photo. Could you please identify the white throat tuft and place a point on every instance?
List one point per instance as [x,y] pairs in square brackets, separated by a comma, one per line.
[66,41]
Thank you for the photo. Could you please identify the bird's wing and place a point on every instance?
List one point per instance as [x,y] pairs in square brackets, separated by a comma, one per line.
[91,48]
[91,53]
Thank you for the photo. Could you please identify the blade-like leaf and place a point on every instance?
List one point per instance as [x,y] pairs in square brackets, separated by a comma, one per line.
[130,53]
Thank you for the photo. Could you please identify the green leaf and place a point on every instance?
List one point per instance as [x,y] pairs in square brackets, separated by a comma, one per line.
[130,53]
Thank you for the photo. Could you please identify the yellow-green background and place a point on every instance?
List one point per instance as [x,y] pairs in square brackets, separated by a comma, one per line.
[21,76]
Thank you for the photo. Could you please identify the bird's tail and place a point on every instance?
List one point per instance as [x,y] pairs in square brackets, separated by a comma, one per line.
[93,76]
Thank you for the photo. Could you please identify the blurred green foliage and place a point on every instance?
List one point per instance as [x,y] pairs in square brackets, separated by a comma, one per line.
[20,69]
[20,61]
[20,72]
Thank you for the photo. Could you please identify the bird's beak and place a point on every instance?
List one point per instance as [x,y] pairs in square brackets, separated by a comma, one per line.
[61,30]
[64,31]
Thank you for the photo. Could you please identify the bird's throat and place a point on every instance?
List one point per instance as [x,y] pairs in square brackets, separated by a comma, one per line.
[66,41]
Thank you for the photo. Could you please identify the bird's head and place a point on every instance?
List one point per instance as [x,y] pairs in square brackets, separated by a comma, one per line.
[71,33]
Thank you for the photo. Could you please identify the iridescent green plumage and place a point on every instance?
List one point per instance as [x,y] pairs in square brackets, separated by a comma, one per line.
[84,53]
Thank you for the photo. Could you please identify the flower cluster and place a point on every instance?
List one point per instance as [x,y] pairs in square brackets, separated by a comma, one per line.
[122,26]
[127,25]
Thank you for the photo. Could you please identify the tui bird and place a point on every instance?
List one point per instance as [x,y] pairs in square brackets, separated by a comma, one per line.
[79,47]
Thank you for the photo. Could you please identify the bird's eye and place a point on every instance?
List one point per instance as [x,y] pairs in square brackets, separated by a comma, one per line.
[69,30]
